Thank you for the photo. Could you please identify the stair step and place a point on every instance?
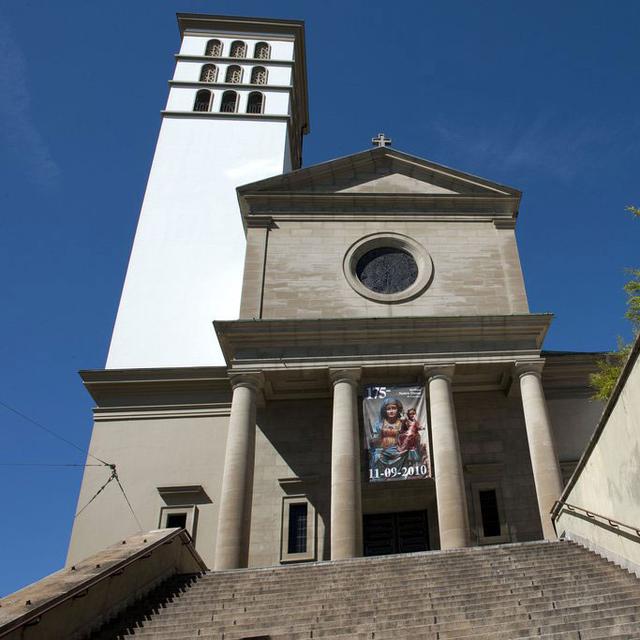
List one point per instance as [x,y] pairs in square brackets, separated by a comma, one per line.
[533,590]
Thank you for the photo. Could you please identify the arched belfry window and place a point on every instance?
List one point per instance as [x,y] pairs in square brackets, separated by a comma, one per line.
[258,75]
[238,49]
[203,100]
[262,51]
[229,102]
[234,74]
[209,73]
[255,103]
[213,48]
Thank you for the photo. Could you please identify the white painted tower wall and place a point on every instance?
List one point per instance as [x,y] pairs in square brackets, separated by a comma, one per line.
[186,264]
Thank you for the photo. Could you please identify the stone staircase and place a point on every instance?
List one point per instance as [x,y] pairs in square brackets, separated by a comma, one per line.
[529,590]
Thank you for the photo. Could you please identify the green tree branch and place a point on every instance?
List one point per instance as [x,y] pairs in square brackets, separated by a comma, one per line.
[610,367]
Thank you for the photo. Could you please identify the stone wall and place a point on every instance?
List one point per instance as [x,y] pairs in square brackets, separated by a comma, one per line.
[150,454]
[607,479]
[476,270]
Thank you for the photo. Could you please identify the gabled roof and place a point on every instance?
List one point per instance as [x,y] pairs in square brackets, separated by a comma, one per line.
[368,172]
[380,178]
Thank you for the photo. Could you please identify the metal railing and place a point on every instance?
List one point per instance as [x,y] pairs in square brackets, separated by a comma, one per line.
[228,106]
[254,107]
[628,530]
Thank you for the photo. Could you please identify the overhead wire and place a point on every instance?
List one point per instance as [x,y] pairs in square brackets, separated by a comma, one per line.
[112,476]
[46,464]
[49,431]
[99,491]
[127,499]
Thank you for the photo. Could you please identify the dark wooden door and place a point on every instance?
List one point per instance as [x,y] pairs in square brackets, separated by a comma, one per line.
[403,532]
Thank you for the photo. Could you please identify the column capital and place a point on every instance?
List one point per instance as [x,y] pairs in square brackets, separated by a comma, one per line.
[351,375]
[446,371]
[528,367]
[253,380]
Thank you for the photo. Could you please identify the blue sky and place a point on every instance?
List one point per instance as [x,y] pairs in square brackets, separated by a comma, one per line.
[540,96]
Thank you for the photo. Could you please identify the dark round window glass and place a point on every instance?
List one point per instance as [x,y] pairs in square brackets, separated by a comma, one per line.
[387,270]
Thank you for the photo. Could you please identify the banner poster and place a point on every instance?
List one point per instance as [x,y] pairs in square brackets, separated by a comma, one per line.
[396,433]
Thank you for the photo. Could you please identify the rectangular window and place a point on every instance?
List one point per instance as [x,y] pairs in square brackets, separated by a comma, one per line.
[176,520]
[489,512]
[490,524]
[184,516]
[297,528]
[298,533]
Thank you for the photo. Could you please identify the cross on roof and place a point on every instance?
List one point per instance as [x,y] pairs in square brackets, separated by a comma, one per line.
[381,141]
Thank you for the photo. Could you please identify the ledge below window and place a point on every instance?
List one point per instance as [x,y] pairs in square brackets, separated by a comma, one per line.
[222,115]
[253,61]
[231,85]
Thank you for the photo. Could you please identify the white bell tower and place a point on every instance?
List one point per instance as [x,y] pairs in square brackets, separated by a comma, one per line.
[236,113]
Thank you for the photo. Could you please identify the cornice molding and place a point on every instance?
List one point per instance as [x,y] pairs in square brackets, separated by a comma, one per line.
[276,196]
[153,374]
[239,24]
[359,341]
[161,389]
[367,206]
[237,35]
[262,88]
[567,374]
[219,115]
[358,216]
[258,62]
[504,223]
[160,413]
[260,222]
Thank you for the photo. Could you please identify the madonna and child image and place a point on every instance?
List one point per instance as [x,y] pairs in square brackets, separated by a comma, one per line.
[396,433]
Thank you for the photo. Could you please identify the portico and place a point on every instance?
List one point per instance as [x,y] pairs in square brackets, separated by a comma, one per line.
[505,357]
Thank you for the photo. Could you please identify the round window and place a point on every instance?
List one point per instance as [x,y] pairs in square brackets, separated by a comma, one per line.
[387,270]
[388,267]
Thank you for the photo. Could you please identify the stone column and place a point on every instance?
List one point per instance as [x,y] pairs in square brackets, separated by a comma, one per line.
[453,519]
[346,499]
[234,515]
[542,449]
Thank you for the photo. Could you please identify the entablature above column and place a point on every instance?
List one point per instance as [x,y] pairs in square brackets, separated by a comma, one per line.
[299,357]
[300,343]
[167,392]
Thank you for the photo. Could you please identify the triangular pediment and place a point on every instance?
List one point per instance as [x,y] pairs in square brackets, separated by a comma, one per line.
[393,183]
[380,171]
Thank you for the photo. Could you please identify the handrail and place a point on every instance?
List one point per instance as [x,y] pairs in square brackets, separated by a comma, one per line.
[612,522]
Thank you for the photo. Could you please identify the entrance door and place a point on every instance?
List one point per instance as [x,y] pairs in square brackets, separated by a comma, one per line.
[403,532]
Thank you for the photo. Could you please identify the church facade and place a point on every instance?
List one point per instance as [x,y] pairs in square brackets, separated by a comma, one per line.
[384,388]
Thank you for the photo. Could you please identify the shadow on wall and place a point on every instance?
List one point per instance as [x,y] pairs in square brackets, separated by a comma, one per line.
[298,461]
